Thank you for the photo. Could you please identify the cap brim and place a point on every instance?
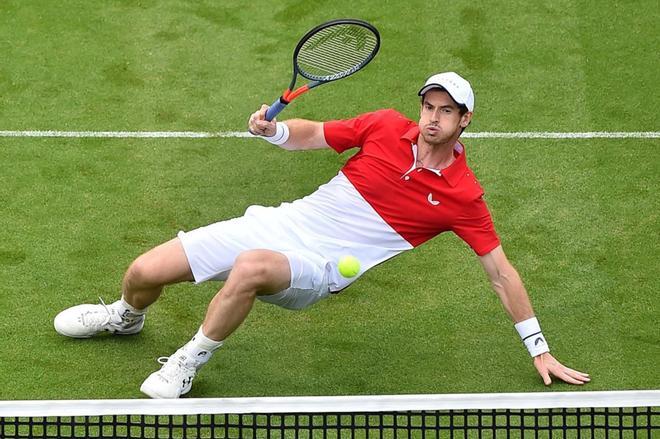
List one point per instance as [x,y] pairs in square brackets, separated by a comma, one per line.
[428,87]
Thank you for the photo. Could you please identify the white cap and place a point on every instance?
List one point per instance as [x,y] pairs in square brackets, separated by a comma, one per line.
[458,88]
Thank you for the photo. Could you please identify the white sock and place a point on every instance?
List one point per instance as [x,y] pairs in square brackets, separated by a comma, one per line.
[201,347]
[125,309]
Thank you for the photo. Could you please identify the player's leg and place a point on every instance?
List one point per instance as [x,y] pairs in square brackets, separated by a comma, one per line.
[255,272]
[145,278]
[142,285]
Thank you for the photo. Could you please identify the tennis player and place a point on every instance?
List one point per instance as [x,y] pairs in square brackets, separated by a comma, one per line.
[407,183]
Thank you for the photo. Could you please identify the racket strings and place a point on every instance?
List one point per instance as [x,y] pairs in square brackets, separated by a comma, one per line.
[334,57]
[333,60]
[335,52]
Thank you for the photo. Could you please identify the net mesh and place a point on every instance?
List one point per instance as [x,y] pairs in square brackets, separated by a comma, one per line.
[568,422]
[336,51]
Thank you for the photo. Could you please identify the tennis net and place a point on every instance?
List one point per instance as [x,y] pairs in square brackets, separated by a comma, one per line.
[627,414]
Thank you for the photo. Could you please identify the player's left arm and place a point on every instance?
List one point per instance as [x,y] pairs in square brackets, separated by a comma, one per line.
[510,289]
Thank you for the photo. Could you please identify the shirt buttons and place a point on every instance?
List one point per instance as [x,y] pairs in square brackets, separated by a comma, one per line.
[407,177]
[419,170]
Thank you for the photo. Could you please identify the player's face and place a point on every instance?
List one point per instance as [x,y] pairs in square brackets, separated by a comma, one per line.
[440,120]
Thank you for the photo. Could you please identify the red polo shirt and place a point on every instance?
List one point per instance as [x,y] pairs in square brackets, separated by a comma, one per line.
[418,203]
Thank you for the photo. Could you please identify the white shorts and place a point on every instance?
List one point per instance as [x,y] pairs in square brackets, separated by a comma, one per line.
[313,232]
[212,250]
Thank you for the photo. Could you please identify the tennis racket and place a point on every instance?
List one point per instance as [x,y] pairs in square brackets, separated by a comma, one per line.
[330,51]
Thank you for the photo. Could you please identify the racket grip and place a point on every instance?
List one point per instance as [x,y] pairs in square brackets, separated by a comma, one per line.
[275,109]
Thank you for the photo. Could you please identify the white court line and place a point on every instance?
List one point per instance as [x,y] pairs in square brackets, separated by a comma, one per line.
[238,134]
[549,135]
[126,134]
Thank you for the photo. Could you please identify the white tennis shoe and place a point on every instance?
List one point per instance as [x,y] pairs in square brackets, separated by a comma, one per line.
[84,321]
[174,378]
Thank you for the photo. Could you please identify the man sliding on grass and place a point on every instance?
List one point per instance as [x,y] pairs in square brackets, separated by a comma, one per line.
[407,183]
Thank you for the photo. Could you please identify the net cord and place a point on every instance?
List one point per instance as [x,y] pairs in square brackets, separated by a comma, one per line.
[330,404]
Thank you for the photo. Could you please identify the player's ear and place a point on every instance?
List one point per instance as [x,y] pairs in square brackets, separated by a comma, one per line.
[465,119]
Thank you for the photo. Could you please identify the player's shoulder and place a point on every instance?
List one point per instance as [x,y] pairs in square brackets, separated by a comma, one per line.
[386,117]
[390,114]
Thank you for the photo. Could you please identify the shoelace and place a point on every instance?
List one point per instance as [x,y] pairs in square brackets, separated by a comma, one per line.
[176,369]
[96,318]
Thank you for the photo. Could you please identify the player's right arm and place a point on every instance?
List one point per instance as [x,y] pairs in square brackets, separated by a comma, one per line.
[296,134]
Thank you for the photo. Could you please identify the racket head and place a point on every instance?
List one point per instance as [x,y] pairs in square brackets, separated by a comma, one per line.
[335,49]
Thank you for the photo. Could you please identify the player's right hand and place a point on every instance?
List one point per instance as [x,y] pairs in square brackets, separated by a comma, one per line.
[259,126]
[547,366]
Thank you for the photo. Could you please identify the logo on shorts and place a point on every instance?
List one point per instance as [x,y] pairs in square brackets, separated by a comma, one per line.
[431,200]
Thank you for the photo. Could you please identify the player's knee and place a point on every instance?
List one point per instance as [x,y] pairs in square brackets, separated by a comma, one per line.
[253,269]
[140,273]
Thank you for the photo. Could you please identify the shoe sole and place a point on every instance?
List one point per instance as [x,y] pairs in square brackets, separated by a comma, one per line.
[153,393]
[130,332]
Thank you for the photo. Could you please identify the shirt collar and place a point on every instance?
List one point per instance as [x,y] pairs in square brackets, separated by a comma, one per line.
[452,173]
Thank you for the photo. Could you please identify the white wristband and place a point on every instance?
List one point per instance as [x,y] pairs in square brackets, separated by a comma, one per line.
[530,332]
[281,134]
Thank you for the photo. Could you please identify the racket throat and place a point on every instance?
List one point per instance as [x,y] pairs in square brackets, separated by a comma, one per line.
[285,99]
[289,95]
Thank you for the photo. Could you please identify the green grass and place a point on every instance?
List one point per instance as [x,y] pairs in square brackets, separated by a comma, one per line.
[578,218]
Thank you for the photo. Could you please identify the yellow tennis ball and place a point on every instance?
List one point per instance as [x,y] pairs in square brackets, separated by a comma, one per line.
[348,266]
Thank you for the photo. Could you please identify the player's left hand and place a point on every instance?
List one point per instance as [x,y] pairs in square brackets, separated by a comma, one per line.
[548,366]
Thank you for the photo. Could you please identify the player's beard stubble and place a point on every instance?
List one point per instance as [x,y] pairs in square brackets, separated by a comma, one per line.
[434,135]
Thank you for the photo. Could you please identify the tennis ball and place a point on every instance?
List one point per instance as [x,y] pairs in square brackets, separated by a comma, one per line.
[348,266]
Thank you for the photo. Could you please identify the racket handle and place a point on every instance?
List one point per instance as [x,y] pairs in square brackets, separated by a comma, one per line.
[275,109]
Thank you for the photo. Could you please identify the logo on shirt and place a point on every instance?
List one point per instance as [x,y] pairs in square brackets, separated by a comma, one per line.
[431,200]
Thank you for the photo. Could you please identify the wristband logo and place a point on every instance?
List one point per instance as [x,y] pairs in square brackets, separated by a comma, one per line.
[539,340]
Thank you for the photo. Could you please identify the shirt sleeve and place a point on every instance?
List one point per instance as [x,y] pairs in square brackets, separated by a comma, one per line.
[476,228]
[349,133]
